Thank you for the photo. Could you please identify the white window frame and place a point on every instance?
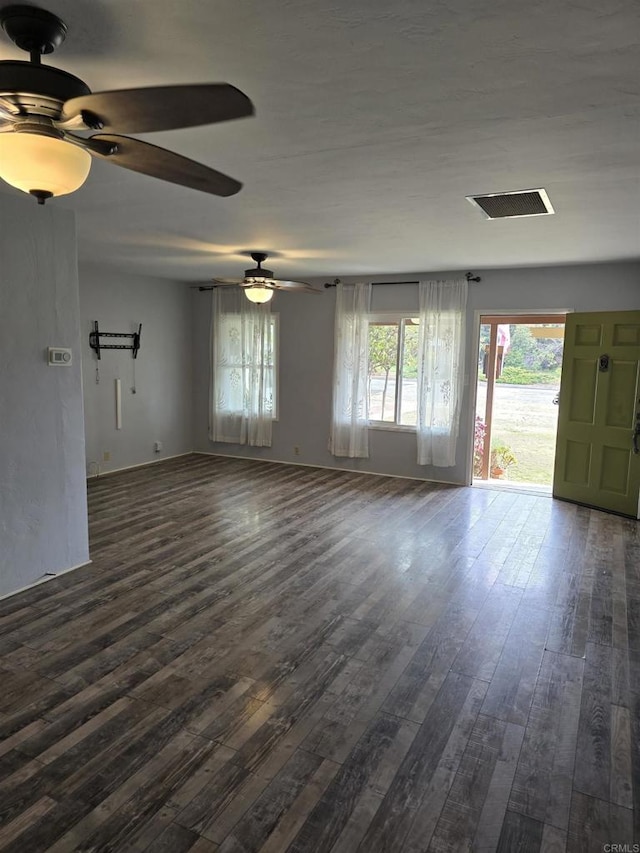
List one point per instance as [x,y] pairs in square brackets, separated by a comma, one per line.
[393,317]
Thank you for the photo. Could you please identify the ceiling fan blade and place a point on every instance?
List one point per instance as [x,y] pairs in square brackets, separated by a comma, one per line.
[159,163]
[157,108]
[282,284]
[229,281]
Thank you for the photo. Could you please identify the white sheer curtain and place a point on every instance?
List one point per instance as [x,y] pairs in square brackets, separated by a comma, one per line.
[350,414]
[442,306]
[242,369]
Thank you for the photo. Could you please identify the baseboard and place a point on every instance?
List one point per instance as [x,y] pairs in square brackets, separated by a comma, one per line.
[49,576]
[138,465]
[329,468]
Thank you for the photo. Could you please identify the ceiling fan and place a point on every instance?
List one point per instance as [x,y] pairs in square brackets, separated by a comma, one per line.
[259,283]
[44,111]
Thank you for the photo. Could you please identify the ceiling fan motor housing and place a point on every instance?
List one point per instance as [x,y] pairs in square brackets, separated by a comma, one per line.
[258,272]
[38,89]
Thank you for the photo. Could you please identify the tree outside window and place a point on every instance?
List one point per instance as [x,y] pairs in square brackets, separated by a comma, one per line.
[393,370]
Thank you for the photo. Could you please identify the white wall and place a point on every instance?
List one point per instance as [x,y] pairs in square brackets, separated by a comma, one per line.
[161,408]
[43,508]
[306,358]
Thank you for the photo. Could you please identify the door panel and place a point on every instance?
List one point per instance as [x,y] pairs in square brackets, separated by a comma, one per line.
[599,410]
[582,395]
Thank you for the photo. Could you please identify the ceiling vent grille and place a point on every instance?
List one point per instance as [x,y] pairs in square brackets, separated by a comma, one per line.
[512,204]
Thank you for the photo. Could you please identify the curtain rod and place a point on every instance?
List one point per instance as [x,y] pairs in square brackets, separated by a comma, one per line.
[469,277]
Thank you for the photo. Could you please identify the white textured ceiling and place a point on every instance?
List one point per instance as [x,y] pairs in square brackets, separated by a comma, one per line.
[373,121]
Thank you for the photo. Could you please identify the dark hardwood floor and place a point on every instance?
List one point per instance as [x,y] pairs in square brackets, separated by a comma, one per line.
[276,658]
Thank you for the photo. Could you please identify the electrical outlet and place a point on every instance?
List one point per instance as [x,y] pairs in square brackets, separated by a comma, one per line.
[106,456]
[157,446]
[296,450]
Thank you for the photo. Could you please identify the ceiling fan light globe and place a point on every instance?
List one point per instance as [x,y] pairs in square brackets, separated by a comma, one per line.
[258,293]
[35,163]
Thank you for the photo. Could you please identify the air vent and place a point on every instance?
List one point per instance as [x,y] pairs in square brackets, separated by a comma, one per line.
[509,205]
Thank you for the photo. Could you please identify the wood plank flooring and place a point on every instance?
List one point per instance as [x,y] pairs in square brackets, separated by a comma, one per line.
[274,658]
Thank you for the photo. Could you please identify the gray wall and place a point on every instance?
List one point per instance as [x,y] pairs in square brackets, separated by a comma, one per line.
[306,358]
[43,507]
[161,408]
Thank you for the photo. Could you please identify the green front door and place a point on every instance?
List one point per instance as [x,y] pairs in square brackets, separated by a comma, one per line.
[599,412]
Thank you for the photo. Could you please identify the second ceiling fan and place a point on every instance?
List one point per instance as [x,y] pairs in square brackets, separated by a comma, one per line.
[259,283]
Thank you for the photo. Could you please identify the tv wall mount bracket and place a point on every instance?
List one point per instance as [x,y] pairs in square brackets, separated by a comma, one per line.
[95,340]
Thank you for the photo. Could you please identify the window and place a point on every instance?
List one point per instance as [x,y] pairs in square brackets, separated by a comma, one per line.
[247,373]
[393,370]
[243,370]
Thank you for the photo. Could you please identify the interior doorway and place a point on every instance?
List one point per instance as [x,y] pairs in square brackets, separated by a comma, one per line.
[519,366]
